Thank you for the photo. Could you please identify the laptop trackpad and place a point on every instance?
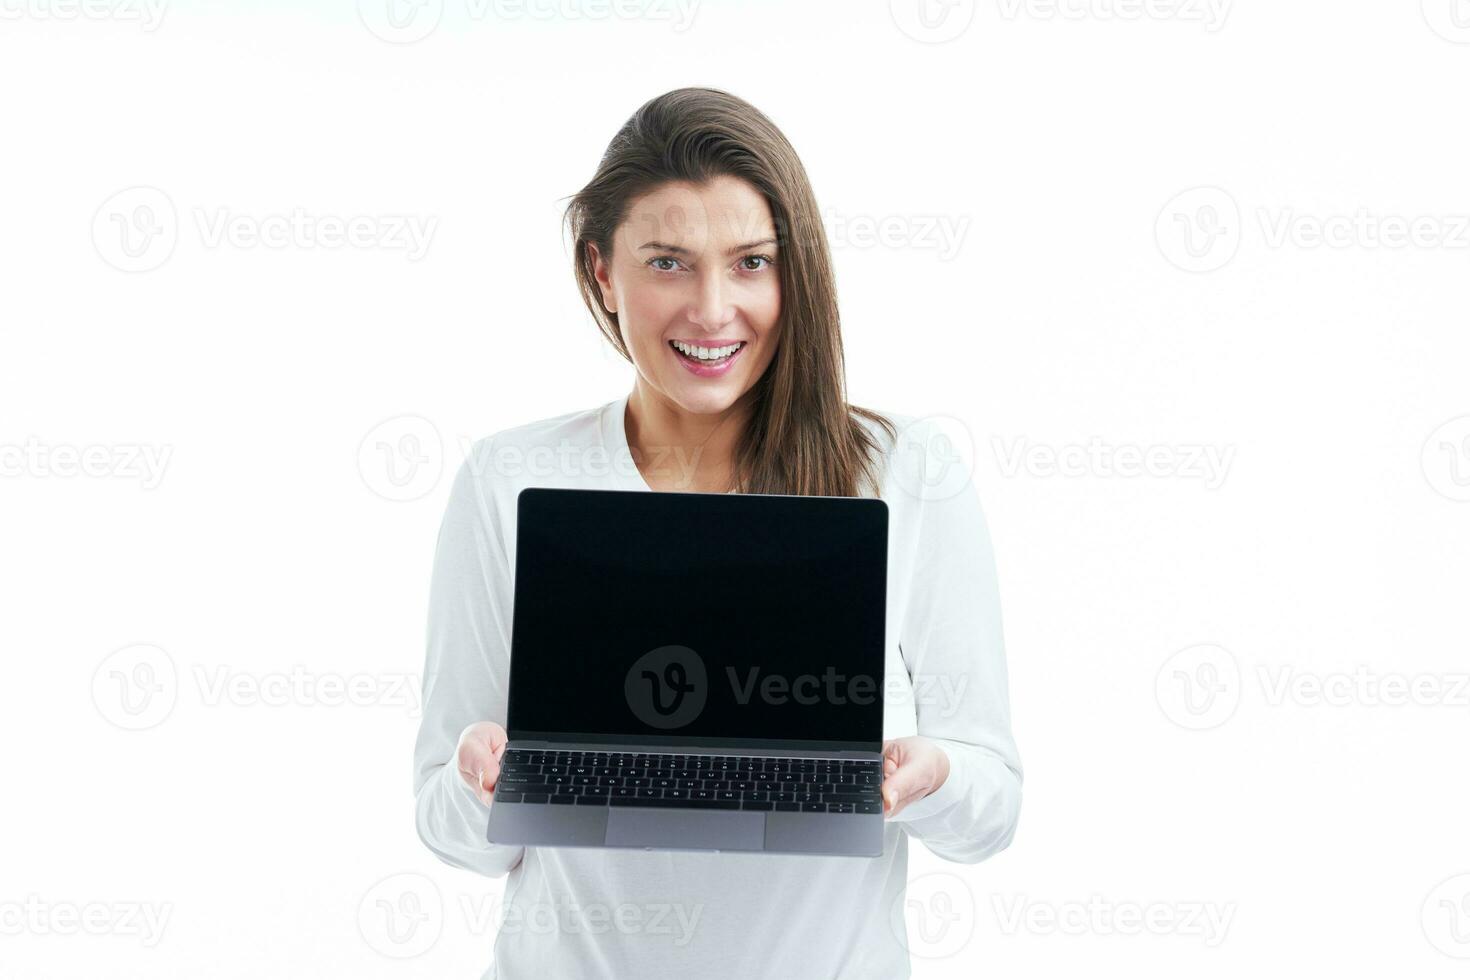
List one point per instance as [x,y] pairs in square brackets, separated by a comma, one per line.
[720,829]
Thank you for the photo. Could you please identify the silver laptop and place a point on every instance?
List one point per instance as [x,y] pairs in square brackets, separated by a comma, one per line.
[696,671]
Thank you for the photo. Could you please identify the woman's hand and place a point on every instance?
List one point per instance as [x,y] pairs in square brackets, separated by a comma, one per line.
[478,756]
[913,767]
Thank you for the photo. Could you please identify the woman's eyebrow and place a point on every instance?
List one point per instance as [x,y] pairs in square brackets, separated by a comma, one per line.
[680,250]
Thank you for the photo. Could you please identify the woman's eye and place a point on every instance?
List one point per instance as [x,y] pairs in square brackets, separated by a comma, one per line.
[662,258]
[756,258]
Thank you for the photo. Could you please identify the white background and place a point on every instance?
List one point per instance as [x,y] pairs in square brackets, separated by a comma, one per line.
[1203,661]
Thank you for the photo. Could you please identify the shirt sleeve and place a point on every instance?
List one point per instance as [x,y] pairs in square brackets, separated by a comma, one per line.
[466,672]
[952,645]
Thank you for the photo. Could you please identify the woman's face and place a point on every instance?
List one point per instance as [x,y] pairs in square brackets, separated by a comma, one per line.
[694,266]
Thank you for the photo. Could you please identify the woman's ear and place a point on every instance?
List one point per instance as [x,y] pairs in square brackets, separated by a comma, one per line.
[602,273]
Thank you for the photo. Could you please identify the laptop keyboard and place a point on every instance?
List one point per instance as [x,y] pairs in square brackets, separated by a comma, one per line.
[715,782]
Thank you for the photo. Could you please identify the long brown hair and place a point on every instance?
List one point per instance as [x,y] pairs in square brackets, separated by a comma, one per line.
[803,436]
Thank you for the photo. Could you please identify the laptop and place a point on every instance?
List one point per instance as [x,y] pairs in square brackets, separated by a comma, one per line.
[696,672]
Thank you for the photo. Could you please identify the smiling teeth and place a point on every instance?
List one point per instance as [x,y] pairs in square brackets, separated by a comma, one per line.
[708,353]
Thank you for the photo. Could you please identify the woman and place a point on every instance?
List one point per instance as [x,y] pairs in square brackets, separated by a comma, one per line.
[700,253]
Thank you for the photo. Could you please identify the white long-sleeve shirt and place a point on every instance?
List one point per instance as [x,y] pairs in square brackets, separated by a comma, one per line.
[575,912]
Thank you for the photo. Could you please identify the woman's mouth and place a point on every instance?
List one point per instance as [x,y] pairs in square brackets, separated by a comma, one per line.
[705,361]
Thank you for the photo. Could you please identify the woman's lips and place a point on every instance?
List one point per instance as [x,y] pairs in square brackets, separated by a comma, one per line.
[703,370]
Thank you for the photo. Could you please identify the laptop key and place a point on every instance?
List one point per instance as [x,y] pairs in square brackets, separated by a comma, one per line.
[592,801]
[676,804]
[507,797]
[756,805]
[847,798]
[787,806]
[839,808]
[534,797]
[814,808]
[871,806]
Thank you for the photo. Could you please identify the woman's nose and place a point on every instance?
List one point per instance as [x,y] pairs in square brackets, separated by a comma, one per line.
[712,305]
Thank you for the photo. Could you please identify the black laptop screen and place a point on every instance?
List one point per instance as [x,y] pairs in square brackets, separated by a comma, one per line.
[701,619]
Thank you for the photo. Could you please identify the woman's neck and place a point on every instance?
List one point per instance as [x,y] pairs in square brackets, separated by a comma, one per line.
[678,450]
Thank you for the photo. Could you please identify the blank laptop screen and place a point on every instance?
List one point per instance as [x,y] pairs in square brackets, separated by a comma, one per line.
[701,619]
